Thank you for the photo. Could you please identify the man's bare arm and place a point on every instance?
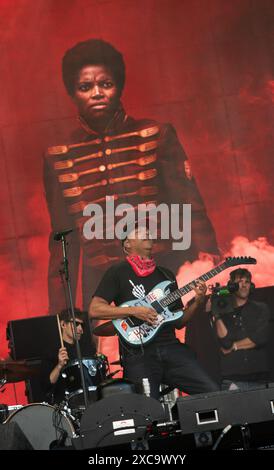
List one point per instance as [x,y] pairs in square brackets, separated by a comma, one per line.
[100,309]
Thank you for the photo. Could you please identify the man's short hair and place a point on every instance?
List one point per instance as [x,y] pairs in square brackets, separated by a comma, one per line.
[240,272]
[66,315]
[92,52]
[129,228]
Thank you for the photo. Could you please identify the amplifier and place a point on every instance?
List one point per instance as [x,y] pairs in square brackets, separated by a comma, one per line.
[207,412]
[30,338]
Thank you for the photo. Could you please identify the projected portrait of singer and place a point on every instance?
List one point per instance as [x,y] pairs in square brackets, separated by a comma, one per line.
[112,154]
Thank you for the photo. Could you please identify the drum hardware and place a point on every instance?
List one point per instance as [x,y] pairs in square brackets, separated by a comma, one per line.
[75,399]
[2,384]
[17,371]
[116,363]
[3,413]
[74,415]
[65,278]
[14,407]
[95,371]
[109,376]
[7,410]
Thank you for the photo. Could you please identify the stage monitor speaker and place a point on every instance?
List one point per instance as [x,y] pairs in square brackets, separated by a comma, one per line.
[32,338]
[118,419]
[13,438]
[219,409]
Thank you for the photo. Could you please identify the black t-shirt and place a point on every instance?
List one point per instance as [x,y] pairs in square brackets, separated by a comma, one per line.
[121,284]
[248,321]
[55,393]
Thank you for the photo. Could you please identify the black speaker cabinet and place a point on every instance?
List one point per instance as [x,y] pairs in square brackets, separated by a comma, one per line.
[13,438]
[33,338]
[118,419]
[217,410]
[29,338]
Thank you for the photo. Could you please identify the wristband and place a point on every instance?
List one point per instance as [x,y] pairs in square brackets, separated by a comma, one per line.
[235,347]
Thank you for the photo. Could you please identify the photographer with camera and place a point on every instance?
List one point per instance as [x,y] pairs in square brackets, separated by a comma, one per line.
[242,329]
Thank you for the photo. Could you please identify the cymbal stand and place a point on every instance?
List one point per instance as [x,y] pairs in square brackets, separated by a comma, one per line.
[2,383]
[65,272]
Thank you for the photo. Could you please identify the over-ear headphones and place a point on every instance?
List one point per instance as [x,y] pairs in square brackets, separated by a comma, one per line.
[252,287]
[234,286]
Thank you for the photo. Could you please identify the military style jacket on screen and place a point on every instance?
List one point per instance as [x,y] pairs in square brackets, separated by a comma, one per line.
[134,161]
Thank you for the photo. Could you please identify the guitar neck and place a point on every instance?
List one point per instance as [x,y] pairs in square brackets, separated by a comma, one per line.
[178,293]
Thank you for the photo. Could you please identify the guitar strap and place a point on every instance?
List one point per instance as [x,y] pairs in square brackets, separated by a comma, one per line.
[166,273]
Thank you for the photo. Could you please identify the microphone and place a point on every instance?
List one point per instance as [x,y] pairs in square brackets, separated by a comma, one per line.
[58,235]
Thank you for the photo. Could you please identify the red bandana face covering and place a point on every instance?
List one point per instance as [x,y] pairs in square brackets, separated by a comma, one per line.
[142,267]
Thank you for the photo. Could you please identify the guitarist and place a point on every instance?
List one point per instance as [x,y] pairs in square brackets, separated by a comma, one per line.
[164,359]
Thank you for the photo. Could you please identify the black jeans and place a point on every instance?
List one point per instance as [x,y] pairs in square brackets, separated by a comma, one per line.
[172,364]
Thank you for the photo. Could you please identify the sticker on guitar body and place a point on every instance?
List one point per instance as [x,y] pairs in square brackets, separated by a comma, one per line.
[140,332]
[155,294]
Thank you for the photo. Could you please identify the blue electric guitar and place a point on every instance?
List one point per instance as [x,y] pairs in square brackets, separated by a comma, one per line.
[137,332]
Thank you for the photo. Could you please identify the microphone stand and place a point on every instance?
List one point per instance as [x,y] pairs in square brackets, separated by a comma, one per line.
[65,271]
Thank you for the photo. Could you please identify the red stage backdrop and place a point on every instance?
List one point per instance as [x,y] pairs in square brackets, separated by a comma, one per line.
[204,66]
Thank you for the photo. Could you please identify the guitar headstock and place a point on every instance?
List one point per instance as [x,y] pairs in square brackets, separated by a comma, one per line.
[237,260]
